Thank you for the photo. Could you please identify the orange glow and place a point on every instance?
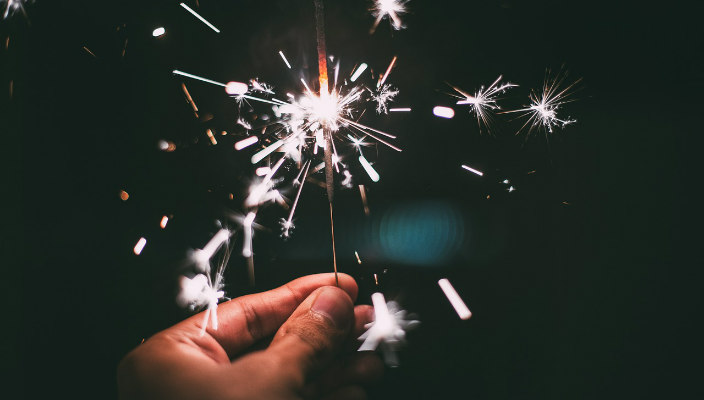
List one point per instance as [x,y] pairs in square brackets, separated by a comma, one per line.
[124,195]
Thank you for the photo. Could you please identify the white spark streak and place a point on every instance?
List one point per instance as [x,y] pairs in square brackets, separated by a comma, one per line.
[195,14]
[201,257]
[400,109]
[468,168]
[262,171]
[370,170]
[200,78]
[443,112]
[140,246]
[266,151]
[247,242]
[164,221]
[246,142]
[455,299]
[281,53]
[362,67]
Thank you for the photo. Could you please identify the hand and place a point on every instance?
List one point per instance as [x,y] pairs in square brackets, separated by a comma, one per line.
[311,355]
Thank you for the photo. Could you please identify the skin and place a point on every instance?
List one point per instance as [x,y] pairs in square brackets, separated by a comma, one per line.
[311,355]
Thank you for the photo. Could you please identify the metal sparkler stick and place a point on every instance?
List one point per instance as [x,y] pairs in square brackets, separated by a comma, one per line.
[327,133]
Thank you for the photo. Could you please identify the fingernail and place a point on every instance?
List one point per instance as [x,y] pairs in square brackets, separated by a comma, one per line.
[333,304]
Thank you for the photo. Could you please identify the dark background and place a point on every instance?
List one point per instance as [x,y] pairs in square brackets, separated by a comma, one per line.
[595,298]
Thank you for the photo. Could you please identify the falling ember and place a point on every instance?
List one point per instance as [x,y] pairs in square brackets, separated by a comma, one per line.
[362,67]
[164,221]
[88,51]
[211,137]
[124,195]
[468,168]
[236,88]
[400,109]
[455,299]
[363,195]
[283,57]
[195,14]
[443,112]
[376,280]
[140,246]
[190,99]
[357,256]
[160,31]
[246,142]
[370,170]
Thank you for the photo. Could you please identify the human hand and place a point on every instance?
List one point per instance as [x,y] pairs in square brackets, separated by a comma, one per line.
[312,354]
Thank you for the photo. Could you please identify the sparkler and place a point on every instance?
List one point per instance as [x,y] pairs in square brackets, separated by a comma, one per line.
[542,111]
[391,9]
[483,101]
[388,329]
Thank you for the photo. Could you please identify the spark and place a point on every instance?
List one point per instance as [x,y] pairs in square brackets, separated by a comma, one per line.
[386,74]
[246,142]
[443,112]
[201,257]
[455,299]
[281,53]
[140,246]
[400,109]
[190,99]
[262,171]
[211,137]
[287,225]
[382,97]
[370,170]
[89,52]
[359,261]
[388,329]
[362,67]
[542,111]
[164,221]
[160,31]
[363,196]
[468,168]
[195,14]
[124,195]
[391,9]
[236,88]
[200,78]
[13,6]
[484,100]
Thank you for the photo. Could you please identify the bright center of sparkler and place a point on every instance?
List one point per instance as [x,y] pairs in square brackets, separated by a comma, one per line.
[326,110]
[545,112]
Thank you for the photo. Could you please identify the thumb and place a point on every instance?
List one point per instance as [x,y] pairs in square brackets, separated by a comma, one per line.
[314,333]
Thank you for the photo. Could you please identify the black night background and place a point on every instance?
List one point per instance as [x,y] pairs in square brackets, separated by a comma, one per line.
[584,283]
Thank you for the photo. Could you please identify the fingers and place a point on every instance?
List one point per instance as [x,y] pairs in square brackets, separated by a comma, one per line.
[244,320]
[313,334]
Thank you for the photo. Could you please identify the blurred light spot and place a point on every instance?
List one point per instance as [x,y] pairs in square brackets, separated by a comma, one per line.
[236,88]
[166,146]
[443,112]
[140,246]
[158,31]
[164,221]
[246,142]
[425,233]
[124,195]
[262,171]
[212,138]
